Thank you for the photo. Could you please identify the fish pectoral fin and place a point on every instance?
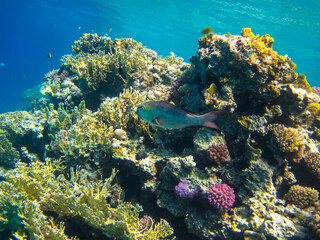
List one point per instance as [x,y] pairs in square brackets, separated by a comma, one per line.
[156,122]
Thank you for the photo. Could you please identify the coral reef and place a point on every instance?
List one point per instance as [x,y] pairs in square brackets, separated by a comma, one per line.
[84,115]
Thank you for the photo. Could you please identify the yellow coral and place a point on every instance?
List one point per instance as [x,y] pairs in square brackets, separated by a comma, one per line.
[301,82]
[314,109]
[301,196]
[31,190]
[92,43]
[288,140]
[312,160]
[269,59]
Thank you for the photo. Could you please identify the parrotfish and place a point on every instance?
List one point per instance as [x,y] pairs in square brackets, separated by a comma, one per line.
[166,115]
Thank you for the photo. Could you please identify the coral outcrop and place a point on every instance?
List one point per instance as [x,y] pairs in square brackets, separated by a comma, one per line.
[249,180]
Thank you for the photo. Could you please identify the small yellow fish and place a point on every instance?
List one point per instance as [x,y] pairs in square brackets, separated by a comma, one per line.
[49,55]
[110,30]
[207,30]
[166,115]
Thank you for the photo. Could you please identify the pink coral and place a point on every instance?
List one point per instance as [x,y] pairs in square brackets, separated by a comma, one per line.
[221,196]
[316,90]
[218,153]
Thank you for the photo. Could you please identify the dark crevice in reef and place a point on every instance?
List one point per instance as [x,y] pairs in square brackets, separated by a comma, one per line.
[133,193]
[248,104]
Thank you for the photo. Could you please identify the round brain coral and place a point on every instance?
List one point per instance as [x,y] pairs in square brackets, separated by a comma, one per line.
[221,196]
[301,196]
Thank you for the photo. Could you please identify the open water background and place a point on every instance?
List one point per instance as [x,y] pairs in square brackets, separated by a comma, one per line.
[30,30]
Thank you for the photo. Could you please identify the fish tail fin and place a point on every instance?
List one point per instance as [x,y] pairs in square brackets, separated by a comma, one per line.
[209,118]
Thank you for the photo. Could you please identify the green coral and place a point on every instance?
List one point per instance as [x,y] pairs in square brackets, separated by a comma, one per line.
[301,196]
[31,190]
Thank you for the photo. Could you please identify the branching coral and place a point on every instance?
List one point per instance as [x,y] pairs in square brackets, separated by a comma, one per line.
[88,135]
[118,110]
[301,196]
[113,68]
[30,190]
[92,43]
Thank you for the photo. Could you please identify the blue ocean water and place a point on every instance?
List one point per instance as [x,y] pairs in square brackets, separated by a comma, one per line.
[30,30]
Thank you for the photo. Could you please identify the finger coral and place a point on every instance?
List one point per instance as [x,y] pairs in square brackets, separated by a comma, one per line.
[301,196]
[221,196]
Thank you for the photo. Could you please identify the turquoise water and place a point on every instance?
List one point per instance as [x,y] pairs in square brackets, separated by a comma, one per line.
[32,29]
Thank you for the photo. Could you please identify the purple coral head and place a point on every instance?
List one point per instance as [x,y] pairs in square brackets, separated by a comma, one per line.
[183,192]
[221,196]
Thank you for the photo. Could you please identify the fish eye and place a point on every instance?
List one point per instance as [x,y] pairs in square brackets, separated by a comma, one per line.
[142,108]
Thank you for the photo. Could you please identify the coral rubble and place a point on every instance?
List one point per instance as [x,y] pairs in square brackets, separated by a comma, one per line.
[256,178]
